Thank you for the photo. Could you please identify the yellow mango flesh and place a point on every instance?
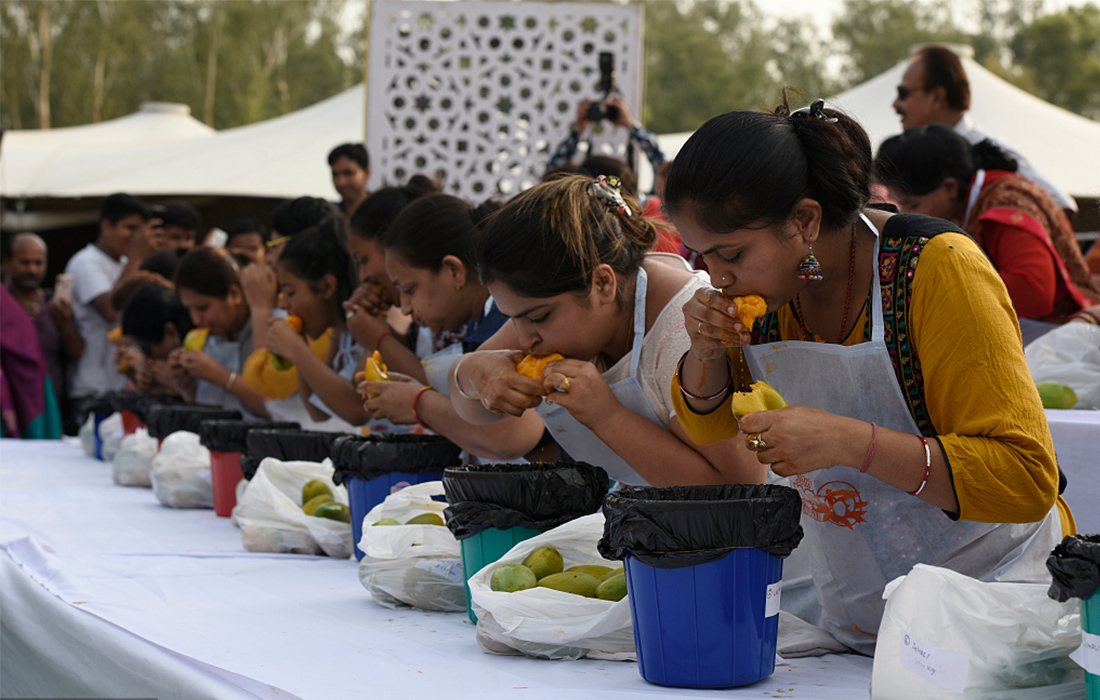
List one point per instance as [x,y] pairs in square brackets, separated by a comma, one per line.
[533,366]
[760,397]
[196,339]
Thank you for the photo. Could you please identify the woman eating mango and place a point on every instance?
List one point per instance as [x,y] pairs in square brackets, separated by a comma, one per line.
[914,431]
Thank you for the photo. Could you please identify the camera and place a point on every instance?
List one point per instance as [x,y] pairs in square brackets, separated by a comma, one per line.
[599,111]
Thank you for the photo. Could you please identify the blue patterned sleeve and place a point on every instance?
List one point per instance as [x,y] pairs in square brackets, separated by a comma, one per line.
[647,140]
[565,150]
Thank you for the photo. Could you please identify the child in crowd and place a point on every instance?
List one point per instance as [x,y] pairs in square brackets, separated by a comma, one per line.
[209,287]
[430,259]
[246,236]
[566,261]
[373,319]
[155,321]
[315,278]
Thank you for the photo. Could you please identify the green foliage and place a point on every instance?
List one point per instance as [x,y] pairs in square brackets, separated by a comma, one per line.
[1060,56]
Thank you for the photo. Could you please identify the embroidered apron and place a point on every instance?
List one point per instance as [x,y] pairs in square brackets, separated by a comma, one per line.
[860,532]
[580,442]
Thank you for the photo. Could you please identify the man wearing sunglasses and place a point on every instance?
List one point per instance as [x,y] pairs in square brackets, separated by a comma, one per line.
[934,90]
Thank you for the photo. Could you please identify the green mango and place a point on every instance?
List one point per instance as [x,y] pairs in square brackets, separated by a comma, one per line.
[613,588]
[388,521]
[544,561]
[333,511]
[596,570]
[313,489]
[1055,395]
[427,519]
[310,506]
[576,582]
[510,578]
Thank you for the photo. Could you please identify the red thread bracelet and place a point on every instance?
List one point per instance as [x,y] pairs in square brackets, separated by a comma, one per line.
[416,400]
[378,340]
[927,467]
[687,394]
[870,452]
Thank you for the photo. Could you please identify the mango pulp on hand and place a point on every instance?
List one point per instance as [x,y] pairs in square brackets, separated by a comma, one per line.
[280,363]
[760,397]
[533,366]
[749,308]
[195,339]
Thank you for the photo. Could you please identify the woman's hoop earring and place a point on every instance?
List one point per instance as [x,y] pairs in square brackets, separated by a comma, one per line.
[810,268]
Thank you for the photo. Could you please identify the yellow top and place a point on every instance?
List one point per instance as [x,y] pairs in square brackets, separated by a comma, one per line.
[259,375]
[978,390]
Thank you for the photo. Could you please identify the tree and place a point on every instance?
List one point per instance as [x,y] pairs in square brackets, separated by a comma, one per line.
[875,34]
[1060,55]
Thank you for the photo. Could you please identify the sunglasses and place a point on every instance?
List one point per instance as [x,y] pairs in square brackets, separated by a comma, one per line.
[905,92]
[276,242]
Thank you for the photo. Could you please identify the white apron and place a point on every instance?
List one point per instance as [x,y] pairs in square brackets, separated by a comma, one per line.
[229,354]
[580,442]
[437,366]
[860,532]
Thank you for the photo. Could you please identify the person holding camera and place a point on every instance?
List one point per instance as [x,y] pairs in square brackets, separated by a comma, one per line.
[613,109]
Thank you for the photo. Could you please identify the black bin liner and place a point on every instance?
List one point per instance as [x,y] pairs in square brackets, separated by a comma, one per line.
[285,445]
[677,526]
[99,404]
[535,496]
[371,456]
[140,403]
[230,435]
[1075,566]
[162,421]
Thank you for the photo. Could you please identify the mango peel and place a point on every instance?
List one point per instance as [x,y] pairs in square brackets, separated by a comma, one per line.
[282,364]
[195,339]
[533,366]
[760,397]
[749,308]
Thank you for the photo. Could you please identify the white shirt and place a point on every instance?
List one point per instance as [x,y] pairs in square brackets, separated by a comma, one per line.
[966,128]
[94,273]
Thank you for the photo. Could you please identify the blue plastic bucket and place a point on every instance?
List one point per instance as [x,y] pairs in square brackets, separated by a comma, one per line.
[1090,623]
[710,625]
[364,495]
[486,547]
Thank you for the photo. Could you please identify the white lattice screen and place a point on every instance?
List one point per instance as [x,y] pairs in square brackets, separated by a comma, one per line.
[481,93]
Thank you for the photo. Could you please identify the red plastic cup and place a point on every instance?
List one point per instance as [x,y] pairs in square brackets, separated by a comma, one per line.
[130,423]
[225,474]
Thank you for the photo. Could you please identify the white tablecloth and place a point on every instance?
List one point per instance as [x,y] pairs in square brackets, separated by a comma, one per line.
[1077,442]
[106,593]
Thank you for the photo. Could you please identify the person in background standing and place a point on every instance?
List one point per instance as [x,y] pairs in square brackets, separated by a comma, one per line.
[181,224]
[934,90]
[125,240]
[246,237]
[350,169]
[52,316]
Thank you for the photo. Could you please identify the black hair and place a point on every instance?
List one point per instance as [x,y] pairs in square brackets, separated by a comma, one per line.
[919,160]
[208,271]
[749,169]
[118,206]
[596,165]
[245,225]
[319,251]
[381,207]
[550,239]
[942,68]
[355,151]
[164,262]
[179,214]
[296,215]
[436,226]
[149,309]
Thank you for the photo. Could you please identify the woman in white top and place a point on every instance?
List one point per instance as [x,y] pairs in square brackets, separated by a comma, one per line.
[566,261]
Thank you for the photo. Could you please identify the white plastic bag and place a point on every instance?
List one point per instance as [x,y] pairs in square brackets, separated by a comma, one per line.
[270,514]
[110,432]
[550,624]
[87,435]
[134,461]
[946,635]
[1070,355]
[181,472]
[412,565]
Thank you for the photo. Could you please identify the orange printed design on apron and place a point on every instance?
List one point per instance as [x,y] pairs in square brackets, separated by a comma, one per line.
[836,502]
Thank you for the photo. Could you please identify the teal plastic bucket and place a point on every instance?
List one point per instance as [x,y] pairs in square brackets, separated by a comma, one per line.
[712,625]
[1090,622]
[486,547]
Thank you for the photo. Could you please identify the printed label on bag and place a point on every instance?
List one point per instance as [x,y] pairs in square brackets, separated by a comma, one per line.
[939,667]
[1087,655]
[450,569]
[771,602]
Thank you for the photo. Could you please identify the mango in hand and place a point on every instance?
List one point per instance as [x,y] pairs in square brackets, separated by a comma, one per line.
[374,370]
[533,366]
[749,308]
[760,397]
[196,339]
[282,364]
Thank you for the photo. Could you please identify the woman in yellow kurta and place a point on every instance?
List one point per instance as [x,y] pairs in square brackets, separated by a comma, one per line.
[915,433]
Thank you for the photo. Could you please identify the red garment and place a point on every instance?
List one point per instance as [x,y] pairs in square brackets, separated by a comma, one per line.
[1032,245]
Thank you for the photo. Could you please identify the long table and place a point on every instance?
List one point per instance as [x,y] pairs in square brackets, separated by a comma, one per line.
[1076,437]
[106,593]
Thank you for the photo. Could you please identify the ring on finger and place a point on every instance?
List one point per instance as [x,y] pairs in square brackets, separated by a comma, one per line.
[755,442]
[565,385]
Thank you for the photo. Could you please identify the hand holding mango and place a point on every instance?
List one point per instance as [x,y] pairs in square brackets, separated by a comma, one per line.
[715,322]
[533,366]
[282,364]
[759,397]
[195,339]
[374,370]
